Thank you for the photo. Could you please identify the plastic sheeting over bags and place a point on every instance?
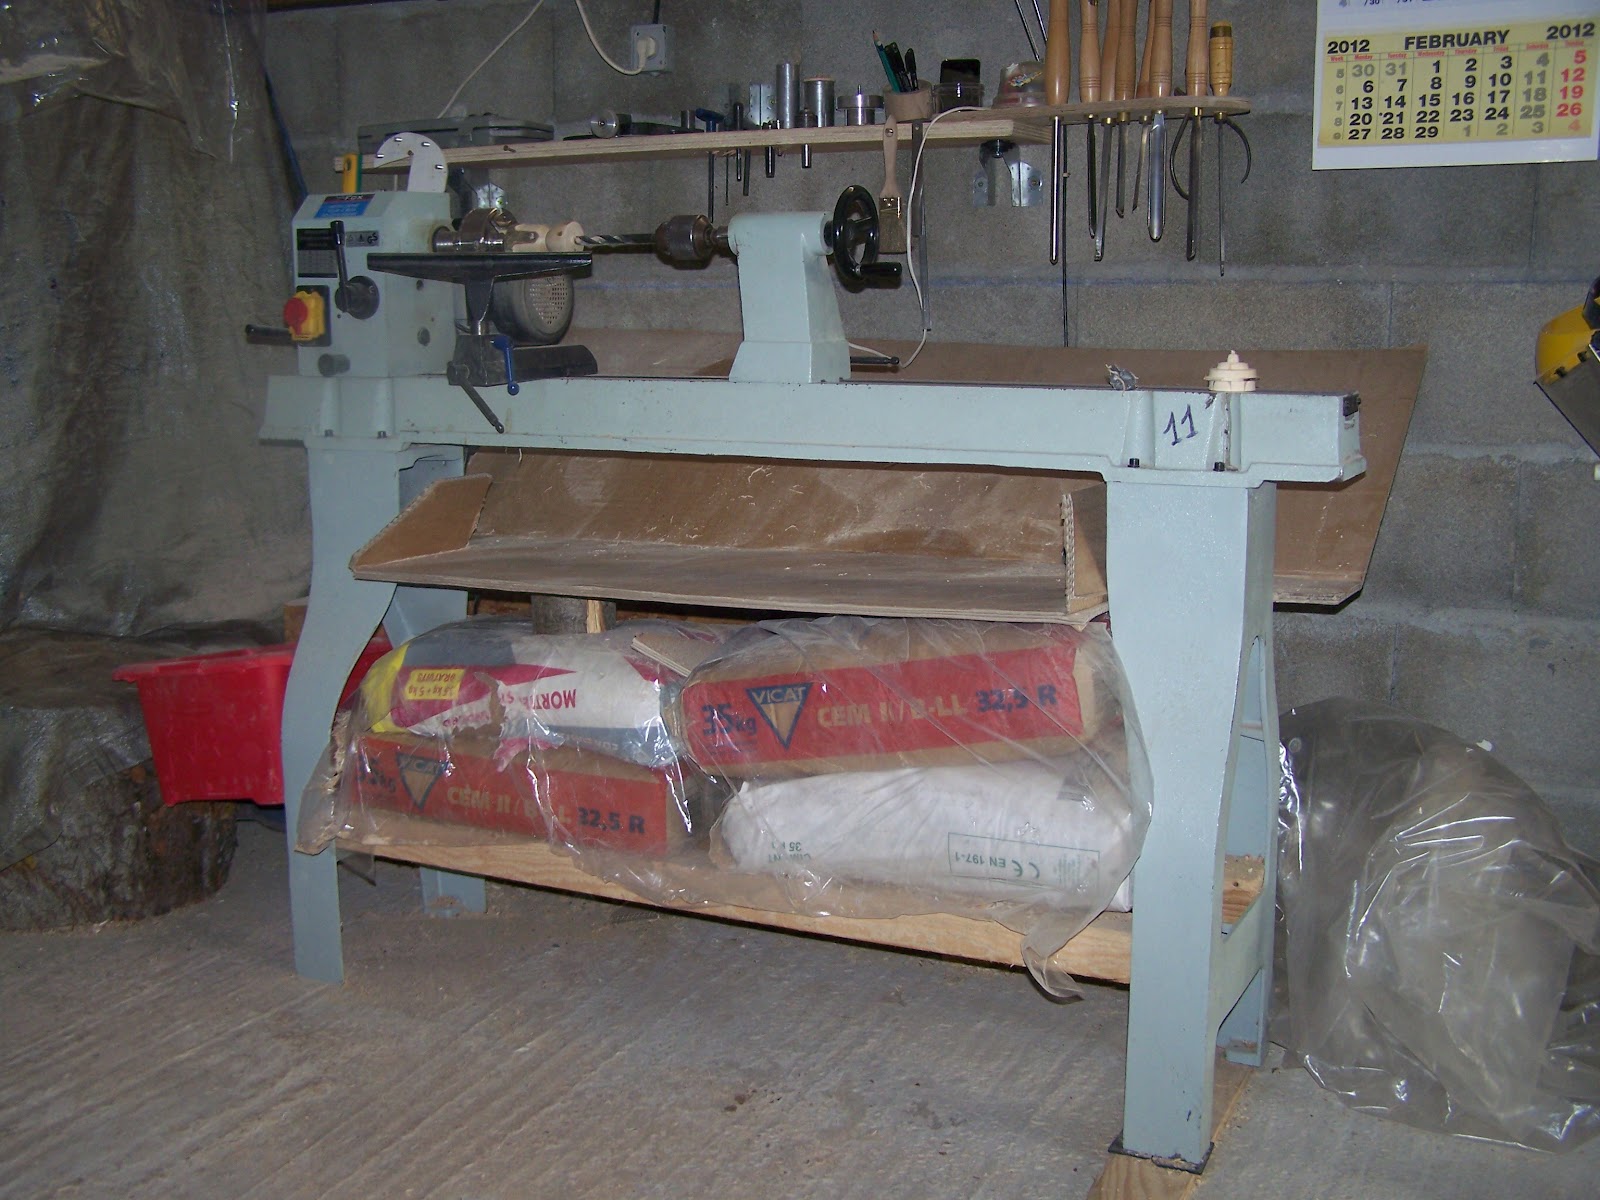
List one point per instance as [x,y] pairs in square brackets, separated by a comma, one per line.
[831,767]
[1440,939]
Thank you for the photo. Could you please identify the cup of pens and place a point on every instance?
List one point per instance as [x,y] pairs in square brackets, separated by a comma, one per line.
[908,98]
[910,106]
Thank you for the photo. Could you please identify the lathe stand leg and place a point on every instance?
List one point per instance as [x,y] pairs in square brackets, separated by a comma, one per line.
[354,493]
[416,610]
[1190,575]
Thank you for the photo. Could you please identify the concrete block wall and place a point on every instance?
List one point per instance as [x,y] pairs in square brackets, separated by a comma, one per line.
[1482,609]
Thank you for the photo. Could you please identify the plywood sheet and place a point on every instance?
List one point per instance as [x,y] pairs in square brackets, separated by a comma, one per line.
[1101,951]
[894,540]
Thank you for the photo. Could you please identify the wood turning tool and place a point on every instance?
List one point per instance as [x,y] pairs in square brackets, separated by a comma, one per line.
[1108,86]
[1127,70]
[1221,63]
[1217,50]
[1142,92]
[1194,84]
[1089,93]
[1057,90]
[1160,56]
[1199,52]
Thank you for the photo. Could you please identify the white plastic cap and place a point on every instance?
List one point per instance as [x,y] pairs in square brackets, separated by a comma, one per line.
[1232,375]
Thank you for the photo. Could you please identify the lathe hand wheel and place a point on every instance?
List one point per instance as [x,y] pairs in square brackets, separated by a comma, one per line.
[852,236]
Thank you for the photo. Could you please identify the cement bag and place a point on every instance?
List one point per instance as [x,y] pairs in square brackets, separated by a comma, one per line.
[1008,832]
[1438,938]
[806,697]
[493,677]
[888,767]
[472,790]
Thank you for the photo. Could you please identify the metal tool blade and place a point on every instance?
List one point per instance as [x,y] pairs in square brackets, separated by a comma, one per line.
[1222,227]
[1092,173]
[1122,150]
[1156,198]
[1197,143]
[1105,199]
[1139,168]
[1058,172]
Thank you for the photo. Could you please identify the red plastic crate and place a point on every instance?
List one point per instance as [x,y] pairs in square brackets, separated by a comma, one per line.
[215,721]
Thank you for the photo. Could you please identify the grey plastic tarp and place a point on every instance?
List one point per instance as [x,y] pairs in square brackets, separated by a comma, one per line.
[144,208]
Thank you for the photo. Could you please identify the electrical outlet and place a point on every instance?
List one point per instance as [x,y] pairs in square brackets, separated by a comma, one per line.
[652,48]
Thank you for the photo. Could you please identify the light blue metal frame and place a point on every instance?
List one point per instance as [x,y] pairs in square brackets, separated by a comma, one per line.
[1190,530]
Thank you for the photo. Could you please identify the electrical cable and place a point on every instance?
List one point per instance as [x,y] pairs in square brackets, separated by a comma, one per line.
[515,29]
[595,42]
[911,258]
[869,350]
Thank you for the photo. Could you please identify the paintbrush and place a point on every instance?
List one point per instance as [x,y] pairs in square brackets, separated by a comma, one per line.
[891,208]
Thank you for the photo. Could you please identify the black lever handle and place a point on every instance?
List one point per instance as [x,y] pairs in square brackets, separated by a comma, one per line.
[358,296]
[267,335]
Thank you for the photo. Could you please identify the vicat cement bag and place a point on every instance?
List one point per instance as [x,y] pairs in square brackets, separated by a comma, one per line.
[805,697]
[564,795]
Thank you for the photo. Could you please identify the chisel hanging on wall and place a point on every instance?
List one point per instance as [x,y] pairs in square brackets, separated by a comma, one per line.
[1089,93]
[1160,86]
[1057,90]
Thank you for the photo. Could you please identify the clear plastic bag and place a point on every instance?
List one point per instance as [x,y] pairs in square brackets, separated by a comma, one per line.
[187,59]
[832,767]
[1438,938]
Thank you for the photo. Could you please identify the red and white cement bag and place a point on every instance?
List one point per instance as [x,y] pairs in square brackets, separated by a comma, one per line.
[805,697]
[493,676]
[567,796]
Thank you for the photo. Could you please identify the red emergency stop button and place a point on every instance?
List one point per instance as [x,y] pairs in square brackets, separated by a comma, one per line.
[306,315]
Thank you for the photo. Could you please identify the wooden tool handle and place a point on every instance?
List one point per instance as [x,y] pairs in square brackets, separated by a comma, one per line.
[1088,50]
[1161,47]
[1194,69]
[1143,90]
[1222,58]
[1058,55]
[1108,49]
[1128,50]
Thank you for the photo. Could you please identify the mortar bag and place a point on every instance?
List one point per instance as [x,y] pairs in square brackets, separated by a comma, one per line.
[490,675]
[799,697]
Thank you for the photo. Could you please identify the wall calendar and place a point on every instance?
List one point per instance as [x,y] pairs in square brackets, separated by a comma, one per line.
[1413,83]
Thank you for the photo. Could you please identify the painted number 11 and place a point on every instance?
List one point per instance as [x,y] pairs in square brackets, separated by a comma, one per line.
[1180,429]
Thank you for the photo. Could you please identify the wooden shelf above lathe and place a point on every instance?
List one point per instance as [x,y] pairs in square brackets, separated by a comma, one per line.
[1029,126]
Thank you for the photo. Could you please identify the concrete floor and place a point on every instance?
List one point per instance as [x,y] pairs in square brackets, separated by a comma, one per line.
[562,1047]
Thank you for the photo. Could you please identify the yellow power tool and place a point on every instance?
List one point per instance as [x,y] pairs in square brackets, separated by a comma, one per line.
[1568,361]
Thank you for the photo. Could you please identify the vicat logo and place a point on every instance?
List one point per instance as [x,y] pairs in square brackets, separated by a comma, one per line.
[418,774]
[780,705]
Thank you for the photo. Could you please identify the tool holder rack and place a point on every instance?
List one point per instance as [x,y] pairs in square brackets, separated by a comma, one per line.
[1189,568]
[1029,125]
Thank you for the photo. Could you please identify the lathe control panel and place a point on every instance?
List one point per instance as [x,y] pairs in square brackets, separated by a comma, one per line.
[347,319]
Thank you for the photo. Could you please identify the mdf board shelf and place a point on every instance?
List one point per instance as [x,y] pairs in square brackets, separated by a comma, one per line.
[1030,126]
